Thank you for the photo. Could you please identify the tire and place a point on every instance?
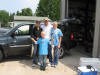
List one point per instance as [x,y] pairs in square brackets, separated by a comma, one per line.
[61,52]
[1,56]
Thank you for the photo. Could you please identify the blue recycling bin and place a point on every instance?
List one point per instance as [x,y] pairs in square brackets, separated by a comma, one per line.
[84,71]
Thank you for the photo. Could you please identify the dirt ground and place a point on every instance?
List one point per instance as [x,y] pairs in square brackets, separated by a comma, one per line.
[23,66]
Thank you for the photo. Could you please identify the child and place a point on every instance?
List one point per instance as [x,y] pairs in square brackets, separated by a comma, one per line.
[43,50]
[57,37]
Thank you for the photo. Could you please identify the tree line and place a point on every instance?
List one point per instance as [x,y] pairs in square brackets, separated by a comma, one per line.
[49,8]
[6,17]
[46,8]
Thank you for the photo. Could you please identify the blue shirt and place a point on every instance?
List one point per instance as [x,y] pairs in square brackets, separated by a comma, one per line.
[43,46]
[55,34]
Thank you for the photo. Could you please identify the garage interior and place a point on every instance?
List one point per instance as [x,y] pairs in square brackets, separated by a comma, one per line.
[85,10]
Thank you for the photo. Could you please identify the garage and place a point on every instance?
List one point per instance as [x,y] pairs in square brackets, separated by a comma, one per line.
[88,12]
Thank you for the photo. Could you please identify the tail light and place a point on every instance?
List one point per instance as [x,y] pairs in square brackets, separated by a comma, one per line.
[72,36]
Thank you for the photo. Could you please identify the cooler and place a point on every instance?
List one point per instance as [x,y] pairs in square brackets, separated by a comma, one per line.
[84,71]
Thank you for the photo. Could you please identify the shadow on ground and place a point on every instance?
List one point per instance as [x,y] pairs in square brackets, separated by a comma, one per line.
[72,60]
[24,60]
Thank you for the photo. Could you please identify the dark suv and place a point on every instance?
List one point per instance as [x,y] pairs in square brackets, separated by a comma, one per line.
[76,32]
[16,41]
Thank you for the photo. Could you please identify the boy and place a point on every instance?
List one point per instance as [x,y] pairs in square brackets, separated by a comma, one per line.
[43,50]
[56,36]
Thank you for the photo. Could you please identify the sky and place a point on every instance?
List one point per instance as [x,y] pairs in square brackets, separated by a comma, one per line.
[14,5]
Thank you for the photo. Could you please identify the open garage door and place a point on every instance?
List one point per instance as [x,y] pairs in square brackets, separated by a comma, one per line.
[83,10]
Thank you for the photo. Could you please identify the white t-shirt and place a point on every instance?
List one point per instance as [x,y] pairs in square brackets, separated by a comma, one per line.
[47,30]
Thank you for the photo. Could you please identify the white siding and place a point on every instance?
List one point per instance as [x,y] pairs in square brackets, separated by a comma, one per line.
[20,22]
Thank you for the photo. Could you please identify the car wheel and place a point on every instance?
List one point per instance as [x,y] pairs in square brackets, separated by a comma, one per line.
[61,52]
[1,56]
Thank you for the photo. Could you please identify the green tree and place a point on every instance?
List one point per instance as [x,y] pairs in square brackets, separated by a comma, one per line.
[55,10]
[26,12]
[49,8]
[4,18]
[43,8]
[18,13]
[11,17]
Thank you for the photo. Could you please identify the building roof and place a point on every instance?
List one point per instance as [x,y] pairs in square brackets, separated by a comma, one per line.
[29,18]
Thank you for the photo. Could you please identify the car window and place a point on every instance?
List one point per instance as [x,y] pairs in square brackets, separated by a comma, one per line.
[23,30]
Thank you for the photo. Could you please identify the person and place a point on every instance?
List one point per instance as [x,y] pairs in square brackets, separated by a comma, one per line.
[47,29]
[43,50]
[36,35]
[56,35]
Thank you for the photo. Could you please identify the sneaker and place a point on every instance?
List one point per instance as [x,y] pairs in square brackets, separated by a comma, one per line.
[52,65]
[49,64]
[38,64]
[42,68]
[33,65]
[55,66]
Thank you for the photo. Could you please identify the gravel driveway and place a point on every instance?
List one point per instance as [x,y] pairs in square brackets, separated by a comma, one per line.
[24,66]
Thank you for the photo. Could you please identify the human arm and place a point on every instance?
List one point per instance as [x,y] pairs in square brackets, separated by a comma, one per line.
[34,40]
[34,33]
[39,34]
[37,38]
[60,38]
[51,43]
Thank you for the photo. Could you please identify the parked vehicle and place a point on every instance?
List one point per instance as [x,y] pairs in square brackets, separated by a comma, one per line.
[16,41]
[3,30]
[75,33]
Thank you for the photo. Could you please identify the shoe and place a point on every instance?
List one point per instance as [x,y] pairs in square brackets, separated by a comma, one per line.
[38,64]
[49,64]
[33,65]
[42,68]
[55,66]
[52,65]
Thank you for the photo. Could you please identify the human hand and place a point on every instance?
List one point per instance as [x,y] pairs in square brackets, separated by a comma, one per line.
[37,38]
[59,46]
[52,46]
[33,39]
[52,40]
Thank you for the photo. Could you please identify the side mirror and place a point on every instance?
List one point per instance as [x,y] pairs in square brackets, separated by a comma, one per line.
[13,35]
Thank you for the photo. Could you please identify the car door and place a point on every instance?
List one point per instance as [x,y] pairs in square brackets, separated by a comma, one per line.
[21,42]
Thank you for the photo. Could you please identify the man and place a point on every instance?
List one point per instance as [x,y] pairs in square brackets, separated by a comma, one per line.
[47,29]
[36,35]
[56,35]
